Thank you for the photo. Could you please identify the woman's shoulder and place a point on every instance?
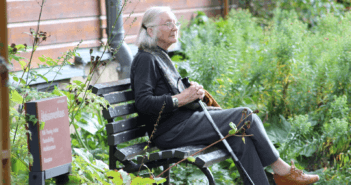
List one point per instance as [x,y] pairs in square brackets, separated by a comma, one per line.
[143,59]
[142,54]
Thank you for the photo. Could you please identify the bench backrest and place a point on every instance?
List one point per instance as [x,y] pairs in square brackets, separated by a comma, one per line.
[121,98]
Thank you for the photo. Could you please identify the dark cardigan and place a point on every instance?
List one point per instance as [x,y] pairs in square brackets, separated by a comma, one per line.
[151,92]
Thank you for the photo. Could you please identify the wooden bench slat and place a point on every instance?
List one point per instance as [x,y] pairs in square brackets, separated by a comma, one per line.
[125,136]
[122,125]
[113,112]
[153,157]
[186,151]
[181,153]
[213,157]
[167,154]
[130,152]
[105,88]
[119,97]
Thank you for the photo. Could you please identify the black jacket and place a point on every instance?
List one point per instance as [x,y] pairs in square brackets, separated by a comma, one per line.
[151,92]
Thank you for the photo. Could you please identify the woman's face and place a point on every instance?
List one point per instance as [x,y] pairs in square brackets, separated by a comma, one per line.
[167,36]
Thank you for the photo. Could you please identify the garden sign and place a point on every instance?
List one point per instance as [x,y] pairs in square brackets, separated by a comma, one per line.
[50,141]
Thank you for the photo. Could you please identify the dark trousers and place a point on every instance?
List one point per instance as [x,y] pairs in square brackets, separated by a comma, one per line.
[257,152]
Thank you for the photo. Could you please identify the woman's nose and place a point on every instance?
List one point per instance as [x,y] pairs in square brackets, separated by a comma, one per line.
[175,27]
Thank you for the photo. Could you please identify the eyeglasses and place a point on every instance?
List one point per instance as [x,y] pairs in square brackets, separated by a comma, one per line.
[170,25]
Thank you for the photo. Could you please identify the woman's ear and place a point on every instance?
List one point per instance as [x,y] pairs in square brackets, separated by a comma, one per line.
[149,31]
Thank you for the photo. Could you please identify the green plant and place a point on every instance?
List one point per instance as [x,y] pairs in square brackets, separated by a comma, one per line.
[298,77]
[312,11]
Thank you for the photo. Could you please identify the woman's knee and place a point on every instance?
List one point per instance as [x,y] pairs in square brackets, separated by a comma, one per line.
[250,119]
[246,110]
[246,115]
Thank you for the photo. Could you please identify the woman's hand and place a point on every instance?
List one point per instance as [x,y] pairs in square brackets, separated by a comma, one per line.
[194,92]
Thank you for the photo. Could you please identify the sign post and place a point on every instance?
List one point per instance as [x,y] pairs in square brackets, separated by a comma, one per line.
[51,144]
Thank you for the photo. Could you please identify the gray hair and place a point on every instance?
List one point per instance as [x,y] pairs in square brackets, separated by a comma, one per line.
[150,18]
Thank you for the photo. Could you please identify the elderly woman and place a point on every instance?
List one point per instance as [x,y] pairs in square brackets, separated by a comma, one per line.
[156,83]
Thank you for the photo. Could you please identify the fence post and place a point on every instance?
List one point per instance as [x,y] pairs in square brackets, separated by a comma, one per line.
[226,8]
[4,99]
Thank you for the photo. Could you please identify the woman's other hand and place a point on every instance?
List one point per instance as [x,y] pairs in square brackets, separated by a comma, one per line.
[194,92]
[200,90]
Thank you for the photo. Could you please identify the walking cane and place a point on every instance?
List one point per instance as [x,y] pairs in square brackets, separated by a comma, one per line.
[241,169]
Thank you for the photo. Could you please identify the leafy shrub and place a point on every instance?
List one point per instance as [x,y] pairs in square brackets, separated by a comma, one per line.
[294,75]
[300,124]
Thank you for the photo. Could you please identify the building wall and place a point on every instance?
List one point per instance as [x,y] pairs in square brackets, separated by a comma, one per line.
[70,21]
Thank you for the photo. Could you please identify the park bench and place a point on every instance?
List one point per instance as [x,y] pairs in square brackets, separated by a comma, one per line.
[127,129]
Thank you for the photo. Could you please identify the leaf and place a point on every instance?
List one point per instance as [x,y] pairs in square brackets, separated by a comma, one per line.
[233,126]
[85,155]
[23,64]
[160,180]
[16,97]
[234,129]
[77,82]
[117,178]
[191,159]
[50,62]
[308,150]
[220,81]
[41,59]
[100,164]
[145,148]
[89,122]
[176,58]
[15,78]
[231,132]
[17,165]
[243,138]
[17,58]
[89,78]
[127,178]
[140,180]
[20,46]
[22,81]
[43,77]
[42,125]
[278,132]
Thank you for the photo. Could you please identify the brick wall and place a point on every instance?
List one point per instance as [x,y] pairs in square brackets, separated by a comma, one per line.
[69,21]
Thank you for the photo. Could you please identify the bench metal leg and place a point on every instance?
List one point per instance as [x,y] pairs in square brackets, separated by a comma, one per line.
[112,159]
[208,174]
[166,174]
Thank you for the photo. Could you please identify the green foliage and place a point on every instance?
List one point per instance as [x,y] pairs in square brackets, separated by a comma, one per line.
[297,77]
[308,11]
[312,11]
[300,124]
[278,130]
